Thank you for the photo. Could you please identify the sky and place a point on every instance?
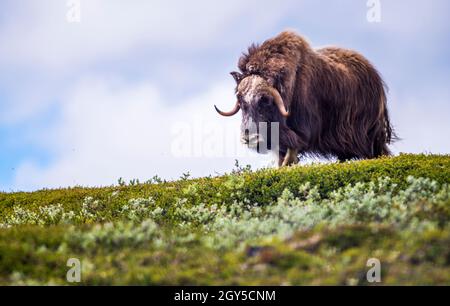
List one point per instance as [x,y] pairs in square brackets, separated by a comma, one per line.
[96,90]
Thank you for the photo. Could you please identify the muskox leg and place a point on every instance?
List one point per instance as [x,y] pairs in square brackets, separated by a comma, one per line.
[291,158]
[342,158]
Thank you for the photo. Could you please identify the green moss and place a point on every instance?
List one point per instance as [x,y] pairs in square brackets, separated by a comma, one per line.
[317,224]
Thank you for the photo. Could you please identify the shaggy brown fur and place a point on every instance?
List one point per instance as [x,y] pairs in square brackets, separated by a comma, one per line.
[335,97]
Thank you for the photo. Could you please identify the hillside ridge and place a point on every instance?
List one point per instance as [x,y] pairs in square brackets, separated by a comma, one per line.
[317,224]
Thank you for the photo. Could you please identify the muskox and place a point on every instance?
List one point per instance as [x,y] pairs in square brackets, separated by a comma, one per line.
[327,102]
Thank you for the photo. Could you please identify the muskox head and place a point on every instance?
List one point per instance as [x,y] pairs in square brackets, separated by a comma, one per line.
[263,111]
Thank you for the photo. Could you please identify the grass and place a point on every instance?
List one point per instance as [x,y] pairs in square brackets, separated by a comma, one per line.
[314,224]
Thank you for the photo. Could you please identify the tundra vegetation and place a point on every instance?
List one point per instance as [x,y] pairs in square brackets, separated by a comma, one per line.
[316,224]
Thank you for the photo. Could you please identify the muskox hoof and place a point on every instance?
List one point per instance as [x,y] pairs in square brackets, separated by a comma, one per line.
[291,158]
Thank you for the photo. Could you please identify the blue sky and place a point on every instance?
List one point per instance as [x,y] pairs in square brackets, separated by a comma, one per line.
[86,103]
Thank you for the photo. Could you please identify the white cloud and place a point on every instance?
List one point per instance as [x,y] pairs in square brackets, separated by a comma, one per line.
[109,129]
[421,122]
[41,52]
[40,35]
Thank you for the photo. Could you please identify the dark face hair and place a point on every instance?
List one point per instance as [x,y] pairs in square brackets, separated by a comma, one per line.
[260,114]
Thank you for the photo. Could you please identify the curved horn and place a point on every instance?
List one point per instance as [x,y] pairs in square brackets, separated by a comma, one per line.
[279,101]
[230,113]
